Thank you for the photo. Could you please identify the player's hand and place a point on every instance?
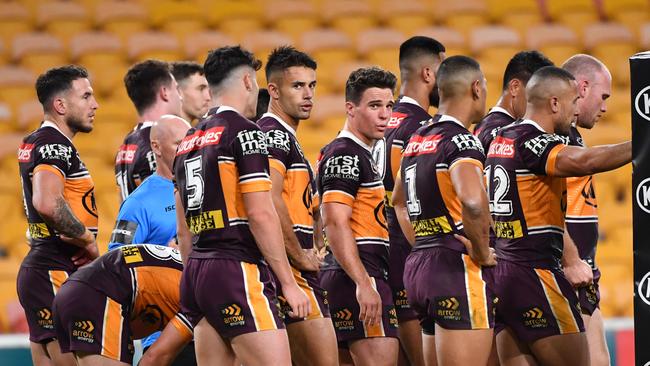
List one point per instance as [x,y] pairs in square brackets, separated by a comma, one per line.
[369,304]
[579,273]
[308,261]
[298,300]
[488,260]
[88,248]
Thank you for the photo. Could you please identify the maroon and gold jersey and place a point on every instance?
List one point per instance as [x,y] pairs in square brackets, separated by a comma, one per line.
[433,205]
[220,159]
[134,160]
[487,129]
[582,209]
[286,156]
[48,149]
[347,174]
[527,202]
[145,280]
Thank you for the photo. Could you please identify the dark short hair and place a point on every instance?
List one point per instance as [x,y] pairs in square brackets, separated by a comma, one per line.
[184,69]
[553,72]
[143,80]
[263,99]
[222,61]
[522,66]
[57,80]
[455,65]
[285,57]
[417,46]
[365,78]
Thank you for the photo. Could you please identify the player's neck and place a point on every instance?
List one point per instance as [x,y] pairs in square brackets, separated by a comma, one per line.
[164,171]
[277,110]
[507,106]
[152,114]
[350,128]
[61,124]
[420,95]
[543,120]
[457,109]
[186,116]
[237,102]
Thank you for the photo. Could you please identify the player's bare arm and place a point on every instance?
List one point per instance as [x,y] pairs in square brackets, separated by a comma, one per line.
[302,259]
[398,200]
[336,221]
[165,349]
[265,226]
[319,239]
[577,271]
[574,161]
[183,234]
[467,179]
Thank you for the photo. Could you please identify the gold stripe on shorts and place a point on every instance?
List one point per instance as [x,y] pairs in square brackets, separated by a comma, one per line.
[376,330]
[257,301]
[560,305]
[476,297]
[315,312]
[56,279]
[112,330]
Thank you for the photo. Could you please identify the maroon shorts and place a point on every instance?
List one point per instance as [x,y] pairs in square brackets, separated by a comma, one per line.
[36,290]
[448,288]
[399,251]
[589,296]
[235,297]
[535,303]
[91,322]
[310,284]
[342,298]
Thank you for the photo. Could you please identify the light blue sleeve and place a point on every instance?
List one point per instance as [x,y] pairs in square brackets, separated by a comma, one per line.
[131,226]
[148,340]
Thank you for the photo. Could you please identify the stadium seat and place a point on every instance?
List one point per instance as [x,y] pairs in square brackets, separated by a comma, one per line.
[154,45]
[405,16]
[380,46]
[63,18]
[461,15]
[199,44]
[342,73]
[176,17]
[6,118]
[349,16]
[38,51]
[16,86]
[454,41]
[516,14]
[327,107]
[330,48]
[102,54]
[613,44]
[236,18]
[30,115]
[121,18]
[575,14]
[292,17]
[555,41]
[262,43]
[15,18]
[10,320]
[632,13]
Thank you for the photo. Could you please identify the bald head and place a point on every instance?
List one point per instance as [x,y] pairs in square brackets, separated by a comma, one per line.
[548,82]
[552,95]
[165,135]
[583,66]
[594,86]
[456,76]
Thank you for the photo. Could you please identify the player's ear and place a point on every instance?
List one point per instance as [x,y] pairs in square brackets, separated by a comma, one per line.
[514,87]
[273,89]
[476,89]
[155,147]
[428,75]
[583,85]
[164,93]
[248,81]
[554,103]
[349,108]
[58,105]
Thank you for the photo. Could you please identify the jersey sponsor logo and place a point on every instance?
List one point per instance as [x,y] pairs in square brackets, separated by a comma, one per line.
[401,301]
[124,232]
[200,139]
[126,154]
[502,147]
[56,152]
[131,254]
[209,220]
[396,119]
[430,227]
[25,152]
[343,319]
[539,144]
[342,166]
[232,315]
[39,231]
[45,318]
[419,145]
[83,331]
[508,229]
[448,308]
[534,318]
[392,316]
[252,142]
[278,140]
[467,141]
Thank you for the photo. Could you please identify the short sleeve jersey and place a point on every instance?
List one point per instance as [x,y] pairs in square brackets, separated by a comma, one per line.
[582,209]
[430,155]
[347,174]
[487,129]
[134,160]
[527,202]
[145,280]
[286,156]
[220,159]
[48,149]
[148,215]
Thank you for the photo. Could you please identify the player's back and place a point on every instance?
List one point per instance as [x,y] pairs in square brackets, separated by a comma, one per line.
[527,203]
[135,160]
[49,149]
[487,129]
[433,205]
[220,159]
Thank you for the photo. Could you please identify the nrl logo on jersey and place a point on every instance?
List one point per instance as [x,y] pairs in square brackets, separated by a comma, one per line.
[252,142]
[278,140]
[56,151]
[342,166]
[539,144]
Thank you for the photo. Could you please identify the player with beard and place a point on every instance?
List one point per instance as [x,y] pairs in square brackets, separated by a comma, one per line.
[59,198]
[292,81]
[154,93]
[193,89]
[419,59]
[581,236]
[512,103]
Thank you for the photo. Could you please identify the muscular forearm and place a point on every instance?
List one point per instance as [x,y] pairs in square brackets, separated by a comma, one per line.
[476,224]
[574,161]
[570,252]
[291,243]
[319,240]
[183,234]
[61,218]
[265,226]
[344,247]
[405,222]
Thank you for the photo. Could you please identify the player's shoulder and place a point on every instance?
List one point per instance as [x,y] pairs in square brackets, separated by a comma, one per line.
[47,135]
[529,136]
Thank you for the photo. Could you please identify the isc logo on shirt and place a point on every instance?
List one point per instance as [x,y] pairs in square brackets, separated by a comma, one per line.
[200,139]
[502,147]
[419,145]
[395,119]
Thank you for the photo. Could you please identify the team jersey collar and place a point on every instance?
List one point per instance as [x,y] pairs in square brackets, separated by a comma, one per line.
[496,108]
[281,121]
[351,136]
[54,126]
[533,123]
[448,118]
[224,108]
[144,124]
[409,100]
